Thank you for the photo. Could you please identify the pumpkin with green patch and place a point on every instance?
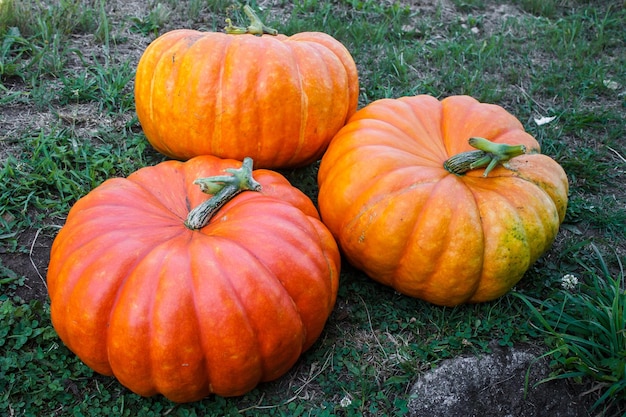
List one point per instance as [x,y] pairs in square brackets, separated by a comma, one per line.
[416,207]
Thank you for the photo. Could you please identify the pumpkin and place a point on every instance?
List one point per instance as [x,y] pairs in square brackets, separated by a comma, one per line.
[180,302]
[414,206]
[278,99]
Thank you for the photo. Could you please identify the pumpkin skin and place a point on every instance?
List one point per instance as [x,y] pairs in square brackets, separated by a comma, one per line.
[408,223]
[186,313]
[276,99]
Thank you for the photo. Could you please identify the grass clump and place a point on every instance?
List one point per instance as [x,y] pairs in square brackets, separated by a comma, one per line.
[585,324]
[55,169]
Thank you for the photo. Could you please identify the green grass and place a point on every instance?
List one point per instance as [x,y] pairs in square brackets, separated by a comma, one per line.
[77,127]
[586,326]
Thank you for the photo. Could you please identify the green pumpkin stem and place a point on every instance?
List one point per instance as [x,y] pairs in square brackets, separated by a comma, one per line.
[488,154]
[257,27]
[223,188]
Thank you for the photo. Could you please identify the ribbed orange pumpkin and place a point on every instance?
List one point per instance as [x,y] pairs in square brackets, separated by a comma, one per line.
[406,221]
[276,99]
[167,309]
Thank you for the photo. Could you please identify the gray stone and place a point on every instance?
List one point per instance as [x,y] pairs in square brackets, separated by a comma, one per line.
[494,385]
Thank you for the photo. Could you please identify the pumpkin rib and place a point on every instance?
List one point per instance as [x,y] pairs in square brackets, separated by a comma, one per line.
[219,112]
[390,164]
[496,281]
[303,113]
[551,181]
[304,106]
[159,334]
[374,209]
[73,289]
[327,67]
[270,280]
[165,63]
[401,112]
[342,53]
[85,253]
[132,324]
[436,259]
[380,182]
[390,154]
[416,222]
[216,371]
[380,126]
[298,242]
[545,234]
[380,134]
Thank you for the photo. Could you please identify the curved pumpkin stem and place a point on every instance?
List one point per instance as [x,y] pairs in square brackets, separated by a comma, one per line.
[488,154]
[223,188]
[257,27]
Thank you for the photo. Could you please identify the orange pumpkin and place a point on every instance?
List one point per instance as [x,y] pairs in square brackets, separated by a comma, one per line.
[408,222]
[275,98]
[167,306]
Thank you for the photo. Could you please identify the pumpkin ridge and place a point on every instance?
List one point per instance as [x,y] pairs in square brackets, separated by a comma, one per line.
[195,280]
[303,106]
[546,235]
[368,204]
[385,122]
[406,246]
[70,288]
[170,54]
[439,150]
[473,110]
[550,188]
[344,57]
[142,331]
[209,146]
[216,136]
[516,231]
[391,153]
[325,61]
[427,280]
[333,267]
[244,336]
[269,276]
[160,381]
[400,190]
[299,227]
[145,180]
[376,136]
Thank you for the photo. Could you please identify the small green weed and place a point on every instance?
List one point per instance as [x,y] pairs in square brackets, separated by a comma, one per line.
[153,21]
[12,52]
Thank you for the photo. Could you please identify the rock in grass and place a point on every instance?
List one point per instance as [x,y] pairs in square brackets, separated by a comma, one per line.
[493,385]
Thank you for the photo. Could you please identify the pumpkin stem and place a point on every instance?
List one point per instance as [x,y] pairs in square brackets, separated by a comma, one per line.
[488,154]
[257,27]
[223,188]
